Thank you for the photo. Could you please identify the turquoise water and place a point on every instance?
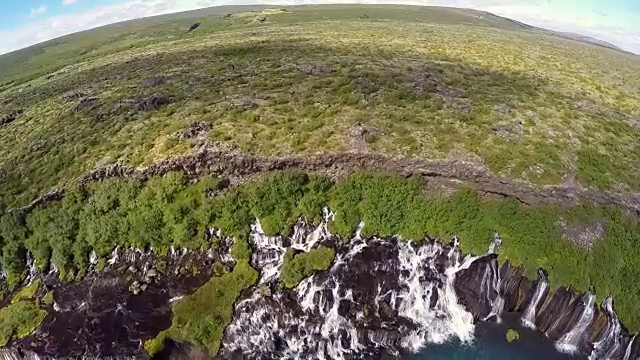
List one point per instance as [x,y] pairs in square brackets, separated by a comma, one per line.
[491,344]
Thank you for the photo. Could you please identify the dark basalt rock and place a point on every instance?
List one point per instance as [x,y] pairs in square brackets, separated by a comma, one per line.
[193,27]
[527,288]
[10,117]
[474,286]
[514,285]
[561,302]
[152,103]
[228,163]
[100,317]
[74,96]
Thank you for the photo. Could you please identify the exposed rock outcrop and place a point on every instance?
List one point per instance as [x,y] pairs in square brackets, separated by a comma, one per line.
[151,103]
[10,117]
[238,168]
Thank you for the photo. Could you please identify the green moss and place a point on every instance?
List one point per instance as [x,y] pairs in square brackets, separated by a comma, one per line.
[102,263]
[28,292]
[48,299]
[201,318]
[296,267]
[19,320]
[512,335]
[155,345]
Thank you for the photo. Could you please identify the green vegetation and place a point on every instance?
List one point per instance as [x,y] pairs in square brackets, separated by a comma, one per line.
[48,299]
[202,317]
[512,335]
[27,292]
[169,210]
[19,320]
[296,267]
[425,83]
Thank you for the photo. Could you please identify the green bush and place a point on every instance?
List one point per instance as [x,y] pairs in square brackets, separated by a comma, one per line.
[27,292]
[19,320]
[201,318]
[296,267]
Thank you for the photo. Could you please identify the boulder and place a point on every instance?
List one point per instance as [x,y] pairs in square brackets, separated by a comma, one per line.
[152,103]
[193,27]
[10,117]
[316,69]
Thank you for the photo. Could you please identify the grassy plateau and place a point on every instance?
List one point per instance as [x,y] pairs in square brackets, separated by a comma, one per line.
[413,82]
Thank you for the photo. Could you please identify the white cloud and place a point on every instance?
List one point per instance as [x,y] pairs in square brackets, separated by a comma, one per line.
[542,13]
[37,11]
[69,2]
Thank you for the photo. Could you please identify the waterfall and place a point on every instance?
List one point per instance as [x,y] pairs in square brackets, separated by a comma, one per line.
[490,286]
[11,354]
[542,286]
[629,350]
[93,257]
[491,281]
[114,256]
[268,254]
[497,241]
[570,342]
[379,296]
[32,268]
[609,342]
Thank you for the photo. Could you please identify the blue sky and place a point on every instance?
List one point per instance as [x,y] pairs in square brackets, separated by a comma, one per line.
[26,22]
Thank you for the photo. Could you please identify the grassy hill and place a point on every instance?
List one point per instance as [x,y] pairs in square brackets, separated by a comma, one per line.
[413,82]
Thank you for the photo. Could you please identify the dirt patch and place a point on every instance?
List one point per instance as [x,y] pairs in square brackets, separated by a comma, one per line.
[583,234]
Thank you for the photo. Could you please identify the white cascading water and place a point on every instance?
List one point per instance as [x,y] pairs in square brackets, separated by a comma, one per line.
[270,254]
[610,343]
[497,241]
[629,349]
[93,258]
[491,283]
[32,268]
[379,295]
[570,342]
[8,354]
[270,249]
[528,318]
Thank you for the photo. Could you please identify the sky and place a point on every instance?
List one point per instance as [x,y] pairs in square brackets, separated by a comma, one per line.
[27,22]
